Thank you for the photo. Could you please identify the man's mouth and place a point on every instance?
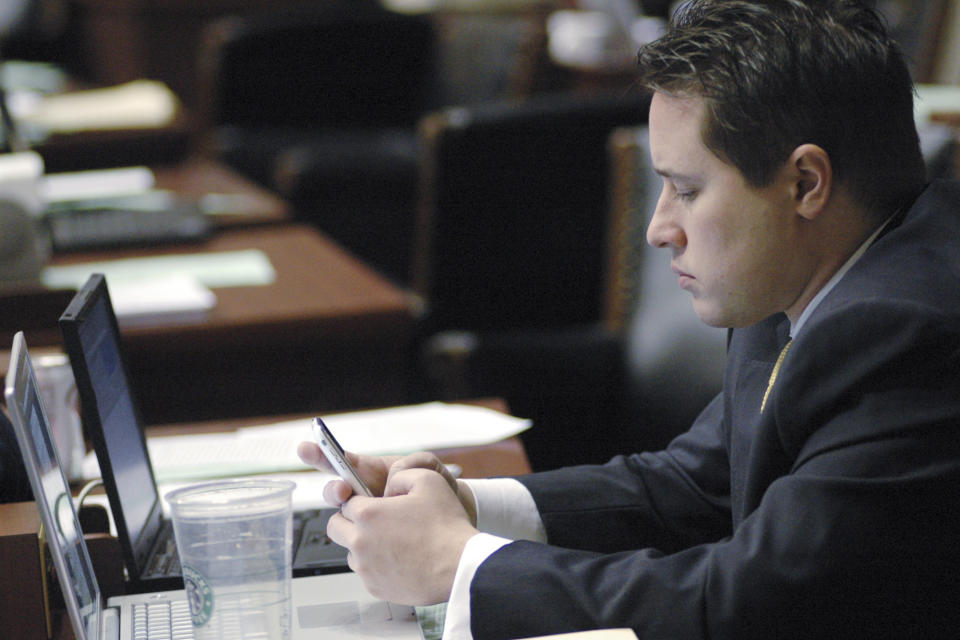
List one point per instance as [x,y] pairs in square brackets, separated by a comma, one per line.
[684,279]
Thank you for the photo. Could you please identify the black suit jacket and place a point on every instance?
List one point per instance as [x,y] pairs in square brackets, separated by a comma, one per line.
[833,513]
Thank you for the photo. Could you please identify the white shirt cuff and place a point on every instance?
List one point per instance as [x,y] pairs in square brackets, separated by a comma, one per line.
[456,624]
[505,512]
[505,508]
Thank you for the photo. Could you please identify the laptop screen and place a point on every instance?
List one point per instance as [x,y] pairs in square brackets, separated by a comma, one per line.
[52,493]
[91,338]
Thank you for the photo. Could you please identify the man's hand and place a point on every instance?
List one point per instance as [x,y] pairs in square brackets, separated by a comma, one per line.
[377,471]
[373,470]
[405,546]
[424,460]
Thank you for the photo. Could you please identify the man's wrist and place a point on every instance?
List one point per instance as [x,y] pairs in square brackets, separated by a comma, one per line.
[468,500]
[478,548]
[504,507]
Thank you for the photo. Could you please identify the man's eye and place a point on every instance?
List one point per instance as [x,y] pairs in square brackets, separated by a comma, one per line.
[685,195]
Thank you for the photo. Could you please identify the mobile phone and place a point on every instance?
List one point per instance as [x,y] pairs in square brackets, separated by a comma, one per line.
[335,456]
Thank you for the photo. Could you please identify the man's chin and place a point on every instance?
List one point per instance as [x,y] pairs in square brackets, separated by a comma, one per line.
[708,314]
[712,316]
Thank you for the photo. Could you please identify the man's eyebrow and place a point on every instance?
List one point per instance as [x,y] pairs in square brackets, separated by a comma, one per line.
[674,175]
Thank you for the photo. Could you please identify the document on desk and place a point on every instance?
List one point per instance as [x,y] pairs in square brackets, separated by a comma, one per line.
[139,104]
[272,447]
[175,298]
[243,268]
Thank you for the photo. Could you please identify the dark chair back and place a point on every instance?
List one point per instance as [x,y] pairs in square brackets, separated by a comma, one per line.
[346,63]
[513,210]
[320,105]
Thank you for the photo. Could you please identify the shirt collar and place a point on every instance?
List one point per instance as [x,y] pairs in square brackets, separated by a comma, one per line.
[842,271]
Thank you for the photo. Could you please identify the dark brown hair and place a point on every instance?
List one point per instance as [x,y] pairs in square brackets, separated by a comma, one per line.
[776,74]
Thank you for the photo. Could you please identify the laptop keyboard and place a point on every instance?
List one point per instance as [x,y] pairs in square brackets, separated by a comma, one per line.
[166,561]
[167,620]
[311,546]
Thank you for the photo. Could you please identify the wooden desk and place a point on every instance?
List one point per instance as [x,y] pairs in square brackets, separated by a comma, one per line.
[244,203]
[22,605]
[35,310]
[99,149]
[328,334]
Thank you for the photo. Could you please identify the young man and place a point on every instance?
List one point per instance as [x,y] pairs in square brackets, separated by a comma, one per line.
[818,496]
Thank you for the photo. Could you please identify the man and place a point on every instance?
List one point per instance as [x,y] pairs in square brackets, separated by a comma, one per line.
[818,495]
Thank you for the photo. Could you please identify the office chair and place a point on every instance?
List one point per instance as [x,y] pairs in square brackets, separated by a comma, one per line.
[321,105]
[513,266]
[512,211]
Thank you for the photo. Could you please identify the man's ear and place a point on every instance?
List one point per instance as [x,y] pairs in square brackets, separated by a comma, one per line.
[812,179]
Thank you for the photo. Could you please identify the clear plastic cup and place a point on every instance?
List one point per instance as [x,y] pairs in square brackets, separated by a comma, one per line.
[235,540]
[59,391]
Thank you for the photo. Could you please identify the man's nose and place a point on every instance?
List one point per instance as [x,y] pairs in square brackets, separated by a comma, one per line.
[664,232]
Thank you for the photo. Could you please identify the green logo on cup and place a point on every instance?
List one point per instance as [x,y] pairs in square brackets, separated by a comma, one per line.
[199,595]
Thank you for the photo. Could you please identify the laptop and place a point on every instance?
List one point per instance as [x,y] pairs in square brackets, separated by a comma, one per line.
[331,606]
[111,420]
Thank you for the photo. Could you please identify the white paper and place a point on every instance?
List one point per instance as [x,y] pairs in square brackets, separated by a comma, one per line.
[244,268]
[177,295]
[101,183]
[273,448]
[135,105]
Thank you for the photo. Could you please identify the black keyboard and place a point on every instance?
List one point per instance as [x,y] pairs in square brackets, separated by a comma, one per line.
[109,227]
[165,561]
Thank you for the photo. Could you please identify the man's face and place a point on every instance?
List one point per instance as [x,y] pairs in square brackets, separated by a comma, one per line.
[734,246]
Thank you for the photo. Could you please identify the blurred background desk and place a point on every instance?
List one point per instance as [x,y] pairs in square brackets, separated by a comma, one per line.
[243,202]
[327,334]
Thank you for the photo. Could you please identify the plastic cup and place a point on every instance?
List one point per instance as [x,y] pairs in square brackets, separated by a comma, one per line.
[235,540]
[59,391]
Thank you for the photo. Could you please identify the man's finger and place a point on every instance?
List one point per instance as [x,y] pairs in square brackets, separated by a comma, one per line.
[311,455]
[339,529]
[423,460]
[337,492]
